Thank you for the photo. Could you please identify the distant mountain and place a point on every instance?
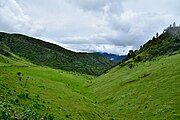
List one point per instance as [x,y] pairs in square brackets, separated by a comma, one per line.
[47,54]
[113,57]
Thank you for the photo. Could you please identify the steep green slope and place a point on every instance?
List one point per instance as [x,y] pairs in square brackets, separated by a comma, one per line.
[47,54]
[149,91]
[146,84]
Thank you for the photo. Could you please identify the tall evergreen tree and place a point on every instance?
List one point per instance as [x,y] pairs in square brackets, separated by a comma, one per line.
[174,24]
[157,35]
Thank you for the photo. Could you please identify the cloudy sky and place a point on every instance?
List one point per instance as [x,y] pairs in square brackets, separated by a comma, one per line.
[113,26]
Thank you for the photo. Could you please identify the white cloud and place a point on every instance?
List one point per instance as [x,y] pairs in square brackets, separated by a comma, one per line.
[13,19]
[127,22]
[112,26]
[109,48]
[90,5]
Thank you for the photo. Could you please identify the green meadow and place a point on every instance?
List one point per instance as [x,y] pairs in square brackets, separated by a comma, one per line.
[149,91]
[144,86]
[44,92]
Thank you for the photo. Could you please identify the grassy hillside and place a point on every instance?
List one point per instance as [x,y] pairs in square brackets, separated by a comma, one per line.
[146,84]
[142,87]
[33,92]
[149,91]
[54,56]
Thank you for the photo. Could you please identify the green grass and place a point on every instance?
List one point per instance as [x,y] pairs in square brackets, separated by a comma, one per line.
[15,61]
[148,91]
[61,93]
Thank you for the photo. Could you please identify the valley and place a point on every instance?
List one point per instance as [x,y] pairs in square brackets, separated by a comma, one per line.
[144,86]
[149,90]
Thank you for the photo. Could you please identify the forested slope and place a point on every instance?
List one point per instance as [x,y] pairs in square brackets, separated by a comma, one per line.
[47,54]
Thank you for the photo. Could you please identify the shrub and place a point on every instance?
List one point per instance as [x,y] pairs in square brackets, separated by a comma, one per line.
[14,101]
[48,116]
[4,115]
[23,95]
[130,65]
[18,73]
[29,114]
[68,115]
[138,59]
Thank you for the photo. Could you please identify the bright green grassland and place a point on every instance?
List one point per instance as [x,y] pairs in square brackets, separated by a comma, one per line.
[49,91]
[148,91]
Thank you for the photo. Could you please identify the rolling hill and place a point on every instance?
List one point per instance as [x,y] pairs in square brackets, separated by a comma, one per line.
[47,54]
[144,86]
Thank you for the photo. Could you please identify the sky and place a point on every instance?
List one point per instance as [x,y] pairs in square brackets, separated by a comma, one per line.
[112,26]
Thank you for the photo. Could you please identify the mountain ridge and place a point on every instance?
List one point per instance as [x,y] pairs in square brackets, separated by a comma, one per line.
[145,85]
[48,54]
